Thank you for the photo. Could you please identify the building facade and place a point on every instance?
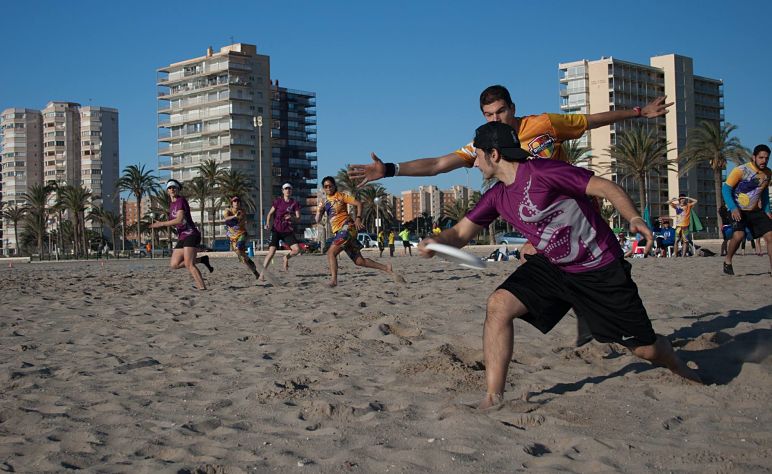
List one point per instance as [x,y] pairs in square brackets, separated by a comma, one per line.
[293,149]
[429,202]
[225,107]
[65,144]
[21,158]
[589,87]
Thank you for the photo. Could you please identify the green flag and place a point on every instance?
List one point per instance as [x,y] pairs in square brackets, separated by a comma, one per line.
[694,222]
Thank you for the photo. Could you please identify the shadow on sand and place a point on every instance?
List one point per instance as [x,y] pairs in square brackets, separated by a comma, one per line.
[719,355]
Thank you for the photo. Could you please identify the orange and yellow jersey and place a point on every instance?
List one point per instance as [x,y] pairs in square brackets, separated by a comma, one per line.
[336,208]
[540,135]
[748,185]
[235,223]
[683,214]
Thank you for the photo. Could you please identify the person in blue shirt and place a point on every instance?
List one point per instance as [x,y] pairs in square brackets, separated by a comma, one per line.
[666,239]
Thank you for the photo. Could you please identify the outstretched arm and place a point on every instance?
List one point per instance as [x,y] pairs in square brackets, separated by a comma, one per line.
[655,108]
[418,167]
[177,220]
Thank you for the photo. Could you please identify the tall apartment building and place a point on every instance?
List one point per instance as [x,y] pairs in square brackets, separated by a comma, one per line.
[21,151]
[293,148]
[99,166]
[589,87]
[207,109]
[64,143]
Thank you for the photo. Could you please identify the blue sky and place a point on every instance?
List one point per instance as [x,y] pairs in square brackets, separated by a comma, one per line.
[401,78]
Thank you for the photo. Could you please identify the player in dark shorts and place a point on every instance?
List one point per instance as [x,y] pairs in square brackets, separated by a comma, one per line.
[746,194]
[188,236]
[284,211]
[579,263]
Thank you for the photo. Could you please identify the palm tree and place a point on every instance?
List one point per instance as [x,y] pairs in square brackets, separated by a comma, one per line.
[712,144]
[455,211]
[76,199]
[367,197]
[636,154]
[139,182]
[197,190]
[210,171]
[159,206]
[235,183]
[348,185]
[37,206]
[105,218]
[15,214]
[577,154]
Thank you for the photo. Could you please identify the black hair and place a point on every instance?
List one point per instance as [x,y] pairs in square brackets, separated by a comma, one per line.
[330,179]
[759,148]
[494,93]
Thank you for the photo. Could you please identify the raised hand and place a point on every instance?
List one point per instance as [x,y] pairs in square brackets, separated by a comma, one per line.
[656,108]
[369,172]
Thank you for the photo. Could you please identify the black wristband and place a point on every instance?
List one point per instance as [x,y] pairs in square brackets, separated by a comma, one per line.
[390,170]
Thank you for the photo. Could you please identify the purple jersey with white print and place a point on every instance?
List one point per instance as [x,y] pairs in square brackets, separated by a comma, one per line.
[548,204]
[187,227]
[282,209]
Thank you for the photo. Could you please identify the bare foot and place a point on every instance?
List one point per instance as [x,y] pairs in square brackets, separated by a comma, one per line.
[286,262]
[491,400]
[332,283]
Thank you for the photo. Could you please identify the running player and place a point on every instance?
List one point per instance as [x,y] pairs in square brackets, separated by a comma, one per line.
[235,223]
[579,263]
[188,236]
[344,230]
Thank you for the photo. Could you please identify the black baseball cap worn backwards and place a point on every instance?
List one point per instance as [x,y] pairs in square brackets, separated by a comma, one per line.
[502,137]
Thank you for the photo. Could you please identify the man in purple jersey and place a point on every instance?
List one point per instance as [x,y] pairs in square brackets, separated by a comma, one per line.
[578,264]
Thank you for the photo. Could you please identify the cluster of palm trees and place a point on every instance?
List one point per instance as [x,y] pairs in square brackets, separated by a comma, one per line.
[71,207]
[638,153]
[47,203]
[211,189]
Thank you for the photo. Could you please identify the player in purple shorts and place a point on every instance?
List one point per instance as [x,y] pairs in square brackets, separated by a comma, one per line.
[578,263]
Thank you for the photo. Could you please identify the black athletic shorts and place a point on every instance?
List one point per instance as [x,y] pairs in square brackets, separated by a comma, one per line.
[286,237]
[189,241]
[756,220]
[606,298]
[406,244]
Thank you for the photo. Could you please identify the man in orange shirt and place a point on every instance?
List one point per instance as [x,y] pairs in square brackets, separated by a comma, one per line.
[683,205]
[540,135]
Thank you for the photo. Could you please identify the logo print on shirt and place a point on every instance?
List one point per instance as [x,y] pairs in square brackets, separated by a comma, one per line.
[542,146]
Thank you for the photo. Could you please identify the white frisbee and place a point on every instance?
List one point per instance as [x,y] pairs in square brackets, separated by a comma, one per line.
[452,254]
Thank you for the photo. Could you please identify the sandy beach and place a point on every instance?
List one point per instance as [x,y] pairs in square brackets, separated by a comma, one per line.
[121,367]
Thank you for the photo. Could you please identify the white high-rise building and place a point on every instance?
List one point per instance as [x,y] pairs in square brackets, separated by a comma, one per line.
[64,143]
[207,109]
[589,87]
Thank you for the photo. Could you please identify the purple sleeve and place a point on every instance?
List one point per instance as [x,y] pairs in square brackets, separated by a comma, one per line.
[484,212]
[295,206]
[570,180]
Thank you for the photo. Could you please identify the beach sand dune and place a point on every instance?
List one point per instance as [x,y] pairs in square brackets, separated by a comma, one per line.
[124,368]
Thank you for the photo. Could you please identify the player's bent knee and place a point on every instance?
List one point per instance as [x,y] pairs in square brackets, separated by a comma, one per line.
[502,305]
